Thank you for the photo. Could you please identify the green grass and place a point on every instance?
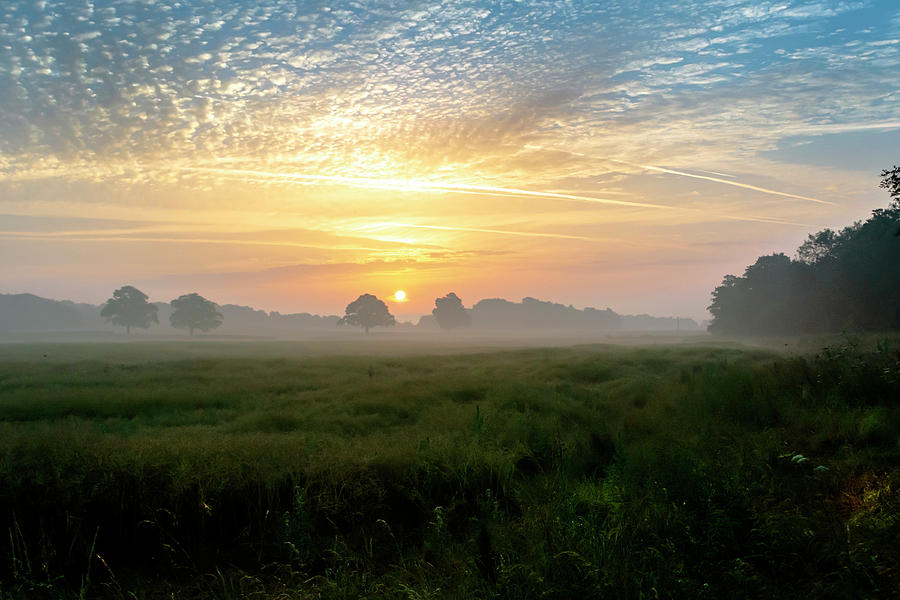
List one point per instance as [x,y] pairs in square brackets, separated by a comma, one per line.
[192,471]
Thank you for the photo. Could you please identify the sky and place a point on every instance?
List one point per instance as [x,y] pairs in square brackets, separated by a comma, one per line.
[292,155]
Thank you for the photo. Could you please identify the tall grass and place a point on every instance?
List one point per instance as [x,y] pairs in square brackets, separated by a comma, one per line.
[583,472]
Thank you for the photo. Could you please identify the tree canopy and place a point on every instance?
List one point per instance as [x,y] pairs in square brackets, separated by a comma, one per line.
[890,180]
[193,311]
[129,308]
[450,313]
[839,280]
[367,311]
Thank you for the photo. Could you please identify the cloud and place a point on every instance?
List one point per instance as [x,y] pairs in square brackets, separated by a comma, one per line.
[418,186]
[388,88]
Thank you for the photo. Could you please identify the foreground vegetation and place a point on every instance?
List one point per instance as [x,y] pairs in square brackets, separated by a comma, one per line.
[679,471]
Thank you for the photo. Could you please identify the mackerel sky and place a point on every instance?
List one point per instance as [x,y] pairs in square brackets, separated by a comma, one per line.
[292,155]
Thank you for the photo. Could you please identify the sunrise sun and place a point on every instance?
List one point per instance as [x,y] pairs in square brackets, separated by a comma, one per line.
[399,296]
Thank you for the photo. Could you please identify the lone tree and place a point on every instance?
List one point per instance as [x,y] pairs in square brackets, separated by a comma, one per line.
[450,313]
[367,311]
[193,311]
[129,307]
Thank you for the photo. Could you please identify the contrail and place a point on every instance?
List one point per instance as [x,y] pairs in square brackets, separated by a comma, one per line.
[706,177]
[28,235]
[772,220]
[422,186]
[484,230]
[725,181]
[715,173]
[473,192]
[841,127]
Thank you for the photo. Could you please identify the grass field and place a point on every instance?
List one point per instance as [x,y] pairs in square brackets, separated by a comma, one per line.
[259,470]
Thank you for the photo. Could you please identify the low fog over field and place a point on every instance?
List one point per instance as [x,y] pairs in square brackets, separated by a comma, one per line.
[25,316]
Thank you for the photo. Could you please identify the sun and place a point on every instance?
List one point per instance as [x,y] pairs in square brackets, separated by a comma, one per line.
[399,296]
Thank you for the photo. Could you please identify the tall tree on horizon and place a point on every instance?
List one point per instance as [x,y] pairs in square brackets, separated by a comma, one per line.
[367,311]
[129,308]
[193,311]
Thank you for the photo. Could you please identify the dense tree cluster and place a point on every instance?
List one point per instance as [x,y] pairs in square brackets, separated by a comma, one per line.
[531,313]
[450,312]
[839,280]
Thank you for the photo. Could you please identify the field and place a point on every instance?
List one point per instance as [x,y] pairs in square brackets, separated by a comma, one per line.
[291,470]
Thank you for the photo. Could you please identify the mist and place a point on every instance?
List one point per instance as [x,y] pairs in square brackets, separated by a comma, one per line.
[490,322]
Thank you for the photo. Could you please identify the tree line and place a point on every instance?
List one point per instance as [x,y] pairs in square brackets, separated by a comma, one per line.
[838,281]
[129,307]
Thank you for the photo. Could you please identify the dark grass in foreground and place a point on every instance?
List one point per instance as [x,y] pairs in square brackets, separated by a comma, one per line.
[685,472]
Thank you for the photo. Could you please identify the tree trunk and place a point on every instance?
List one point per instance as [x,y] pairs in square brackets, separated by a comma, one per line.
[367,330]
[191,329]
[128,330]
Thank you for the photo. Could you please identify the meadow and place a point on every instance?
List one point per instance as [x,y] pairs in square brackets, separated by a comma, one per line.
[285,470]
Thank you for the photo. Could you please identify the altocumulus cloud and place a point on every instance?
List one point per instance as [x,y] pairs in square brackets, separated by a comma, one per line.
[122,88]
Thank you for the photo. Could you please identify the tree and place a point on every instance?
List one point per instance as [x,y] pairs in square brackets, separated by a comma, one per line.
[367,311]
[890,180]
[193,311]
[729,306]
[129,307]
[818,247]
[847,279]
[450,313]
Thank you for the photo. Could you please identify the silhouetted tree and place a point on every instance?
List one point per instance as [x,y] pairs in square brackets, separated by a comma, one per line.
[890,180]
[818,246]
[129,307]
[764,300]
[841,280]
[729,305]
[367,311]
[450,313]
[193,311]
